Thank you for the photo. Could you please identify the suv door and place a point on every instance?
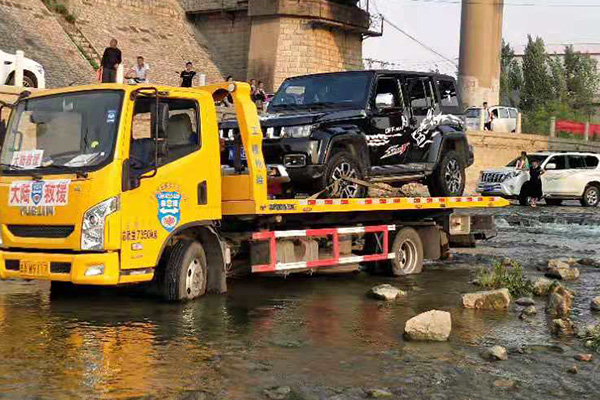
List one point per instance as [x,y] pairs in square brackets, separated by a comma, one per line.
[555,180]
[423,103]
[449,103]
[387,136]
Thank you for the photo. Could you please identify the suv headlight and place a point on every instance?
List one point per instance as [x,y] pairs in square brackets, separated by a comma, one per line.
[301,131]
[92,230]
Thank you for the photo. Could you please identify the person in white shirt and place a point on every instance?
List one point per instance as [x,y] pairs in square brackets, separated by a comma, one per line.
[487,117]
[139,73]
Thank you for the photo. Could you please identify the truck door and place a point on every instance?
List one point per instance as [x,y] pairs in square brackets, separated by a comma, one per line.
[423,109]
[387,137]
[184,187]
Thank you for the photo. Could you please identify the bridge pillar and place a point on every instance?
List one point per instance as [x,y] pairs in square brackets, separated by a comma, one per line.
[480,49]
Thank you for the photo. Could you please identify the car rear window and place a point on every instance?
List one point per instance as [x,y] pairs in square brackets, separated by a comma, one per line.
[591,162]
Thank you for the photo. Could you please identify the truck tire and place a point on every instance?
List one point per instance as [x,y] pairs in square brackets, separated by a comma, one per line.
[186,272]
[448,179]
[344,164]
[591,196]
[408,248]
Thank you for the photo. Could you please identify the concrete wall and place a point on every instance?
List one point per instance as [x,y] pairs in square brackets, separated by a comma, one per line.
[493,150]
[27,25]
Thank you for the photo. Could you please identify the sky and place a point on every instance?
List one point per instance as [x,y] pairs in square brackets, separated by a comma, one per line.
[436,23]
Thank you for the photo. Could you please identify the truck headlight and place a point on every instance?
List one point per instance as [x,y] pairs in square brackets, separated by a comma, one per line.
[301,131]
[92,229]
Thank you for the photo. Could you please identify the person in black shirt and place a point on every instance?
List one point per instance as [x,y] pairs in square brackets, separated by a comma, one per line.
[187,75]
[535,183]
[110,62]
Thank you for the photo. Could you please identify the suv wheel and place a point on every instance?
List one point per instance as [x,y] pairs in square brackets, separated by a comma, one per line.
[448,179]
[343,165]
[591,196]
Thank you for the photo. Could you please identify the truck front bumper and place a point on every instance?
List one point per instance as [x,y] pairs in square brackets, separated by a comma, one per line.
[78,268]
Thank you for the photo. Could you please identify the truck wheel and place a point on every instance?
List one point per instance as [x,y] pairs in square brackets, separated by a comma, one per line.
[554,202]
[591,196]
[343,165]
[186,272]
[409,253]
[448,179]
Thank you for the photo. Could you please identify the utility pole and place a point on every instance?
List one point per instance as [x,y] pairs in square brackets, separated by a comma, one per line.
[480,50]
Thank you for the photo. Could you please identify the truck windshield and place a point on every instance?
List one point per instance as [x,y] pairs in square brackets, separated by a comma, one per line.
[62,132]
[321,91]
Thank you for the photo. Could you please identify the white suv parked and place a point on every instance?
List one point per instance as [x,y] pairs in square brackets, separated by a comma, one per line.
[33,72]
[569,176]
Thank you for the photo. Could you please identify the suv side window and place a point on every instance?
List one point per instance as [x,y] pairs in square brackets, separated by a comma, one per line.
[513,113]
[421,95]
[448,94]
[387,88]
[182,136]
[591,162]
[576,162]
[560,161]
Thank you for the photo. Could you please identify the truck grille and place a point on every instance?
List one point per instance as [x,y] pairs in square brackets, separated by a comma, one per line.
[41,231]
[493,177]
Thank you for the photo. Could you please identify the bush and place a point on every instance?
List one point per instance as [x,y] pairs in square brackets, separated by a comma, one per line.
[592,335]
[506,275]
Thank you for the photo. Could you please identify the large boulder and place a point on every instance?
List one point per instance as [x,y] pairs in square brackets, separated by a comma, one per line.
[556,263]
[541,287]
[385,292]
[489,300]
[432,325]
[559,302]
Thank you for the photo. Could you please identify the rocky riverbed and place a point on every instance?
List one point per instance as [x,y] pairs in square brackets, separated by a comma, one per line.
[315,337]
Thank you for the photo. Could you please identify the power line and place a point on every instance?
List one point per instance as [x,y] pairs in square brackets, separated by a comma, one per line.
[408,35]
[497,3]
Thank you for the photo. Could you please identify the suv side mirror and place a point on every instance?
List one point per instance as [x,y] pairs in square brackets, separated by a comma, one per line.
[550,166]
[384,100]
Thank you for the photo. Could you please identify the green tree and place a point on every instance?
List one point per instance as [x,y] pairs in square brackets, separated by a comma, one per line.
[581,79]
[537,85]
[511,77]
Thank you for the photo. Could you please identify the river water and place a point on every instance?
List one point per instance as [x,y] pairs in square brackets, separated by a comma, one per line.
[321,337]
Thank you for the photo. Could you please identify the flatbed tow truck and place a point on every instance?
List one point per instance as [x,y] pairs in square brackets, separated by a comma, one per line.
[115,184]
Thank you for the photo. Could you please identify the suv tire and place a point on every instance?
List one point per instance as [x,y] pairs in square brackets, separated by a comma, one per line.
[448,179]
[591,196]
[344,164]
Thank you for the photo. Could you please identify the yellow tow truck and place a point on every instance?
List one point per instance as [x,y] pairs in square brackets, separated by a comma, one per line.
[115,184]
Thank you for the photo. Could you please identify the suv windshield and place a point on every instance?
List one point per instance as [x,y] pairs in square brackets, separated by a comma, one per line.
[70,131]
[317,91]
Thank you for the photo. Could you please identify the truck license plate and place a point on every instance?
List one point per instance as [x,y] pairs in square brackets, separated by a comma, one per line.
[34,268]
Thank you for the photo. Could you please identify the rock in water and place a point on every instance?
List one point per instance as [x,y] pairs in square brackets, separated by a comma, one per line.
[560,301]
[379,393]
[541,286]
[432,325]
[556,263]
[528,312]
[277,392]
[496,353]
[504,383]
[573,369]
[563,327]
[490,300]
[589,262]
[584,357]
[385,292]
[566,274]
[525,301]
[595,305]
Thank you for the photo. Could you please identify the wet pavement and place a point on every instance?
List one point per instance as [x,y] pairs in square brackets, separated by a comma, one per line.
[310,337]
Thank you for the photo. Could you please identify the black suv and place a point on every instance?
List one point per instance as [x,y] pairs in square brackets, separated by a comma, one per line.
[376,126]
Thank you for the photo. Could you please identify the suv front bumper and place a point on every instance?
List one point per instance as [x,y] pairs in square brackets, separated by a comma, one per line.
[282,151]
[66,267]
[496,189]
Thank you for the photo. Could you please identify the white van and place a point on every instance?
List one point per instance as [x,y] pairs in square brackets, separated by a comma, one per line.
[505,118]
[33,72]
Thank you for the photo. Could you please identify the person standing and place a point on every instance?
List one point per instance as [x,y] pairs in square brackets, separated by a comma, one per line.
[535,183]
[188,75]
[260,96]
[487,117]
[522,162]
[111,59]
[139,73]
